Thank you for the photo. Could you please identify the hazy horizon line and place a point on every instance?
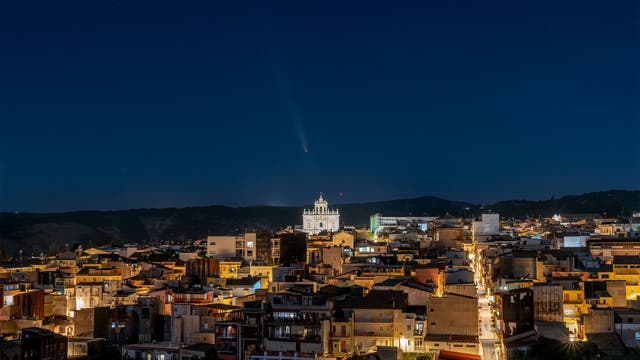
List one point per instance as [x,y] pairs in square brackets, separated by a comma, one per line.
[301,205]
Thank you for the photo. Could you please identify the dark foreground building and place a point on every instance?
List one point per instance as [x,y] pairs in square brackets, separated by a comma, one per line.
[43,344]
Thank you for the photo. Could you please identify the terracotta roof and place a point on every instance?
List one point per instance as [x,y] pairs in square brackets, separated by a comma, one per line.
[453,355]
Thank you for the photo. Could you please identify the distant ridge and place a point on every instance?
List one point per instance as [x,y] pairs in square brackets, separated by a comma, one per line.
[611,203]
[49,232]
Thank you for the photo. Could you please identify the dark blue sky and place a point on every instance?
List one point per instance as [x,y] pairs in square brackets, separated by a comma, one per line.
[118,104]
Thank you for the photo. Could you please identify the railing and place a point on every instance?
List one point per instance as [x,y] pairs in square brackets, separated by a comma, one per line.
[310,338]
[227,350]
[373,333]
[278,304]
[307,322]
[388,321]
[339,334]
[282,356]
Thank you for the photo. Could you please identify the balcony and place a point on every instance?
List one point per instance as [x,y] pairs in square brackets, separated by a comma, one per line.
[287,321]
[369,333]
[285,345]
[280,355]
[387,321]
[341,334]
[278,304]
[297,338]
[227,350]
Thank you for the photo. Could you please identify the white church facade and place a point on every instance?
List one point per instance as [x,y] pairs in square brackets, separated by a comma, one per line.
[320,218]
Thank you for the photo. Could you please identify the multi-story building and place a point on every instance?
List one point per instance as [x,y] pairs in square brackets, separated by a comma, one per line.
[320,218]
[243,246]
[252,327]
[89,295]
[263,271]
[275,251]
[605,248]
[627,268]
[264,247]
[627,325]
[341,334]
[343,238]
[229,268]
[548,303]
[298,321]
[98,274]
[453,333]
[20,301]
[201,269]
[168,350]
[38,343]
[379,223]
[484,229]
[378,319]
[228,339]
[515,313]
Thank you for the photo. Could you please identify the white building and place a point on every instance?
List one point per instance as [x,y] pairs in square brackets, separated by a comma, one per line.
[320,218]
[488,225]
[574,241]
[378,223]
[635,221]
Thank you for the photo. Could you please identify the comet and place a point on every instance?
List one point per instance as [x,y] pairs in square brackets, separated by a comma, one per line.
[291,108]
[294,115]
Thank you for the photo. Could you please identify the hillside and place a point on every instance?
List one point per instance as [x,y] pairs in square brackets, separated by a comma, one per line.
[608,203]
[34,232]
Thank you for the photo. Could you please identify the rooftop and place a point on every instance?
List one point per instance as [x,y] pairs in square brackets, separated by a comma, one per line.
[451,338]
[383,299]
[626,260]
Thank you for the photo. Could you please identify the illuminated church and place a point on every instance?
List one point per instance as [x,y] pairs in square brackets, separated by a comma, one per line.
[320,218]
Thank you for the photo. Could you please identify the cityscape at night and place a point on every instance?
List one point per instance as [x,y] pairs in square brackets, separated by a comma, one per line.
[297,180]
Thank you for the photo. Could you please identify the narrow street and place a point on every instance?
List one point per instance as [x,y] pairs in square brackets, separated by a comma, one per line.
[488,337]
[489,340]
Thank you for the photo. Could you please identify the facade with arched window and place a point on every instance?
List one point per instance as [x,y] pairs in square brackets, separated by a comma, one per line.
[320,218]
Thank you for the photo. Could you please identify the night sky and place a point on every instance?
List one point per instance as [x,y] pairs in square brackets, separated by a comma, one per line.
[120,104]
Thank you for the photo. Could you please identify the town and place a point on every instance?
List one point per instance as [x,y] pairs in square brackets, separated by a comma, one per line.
[412,287]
